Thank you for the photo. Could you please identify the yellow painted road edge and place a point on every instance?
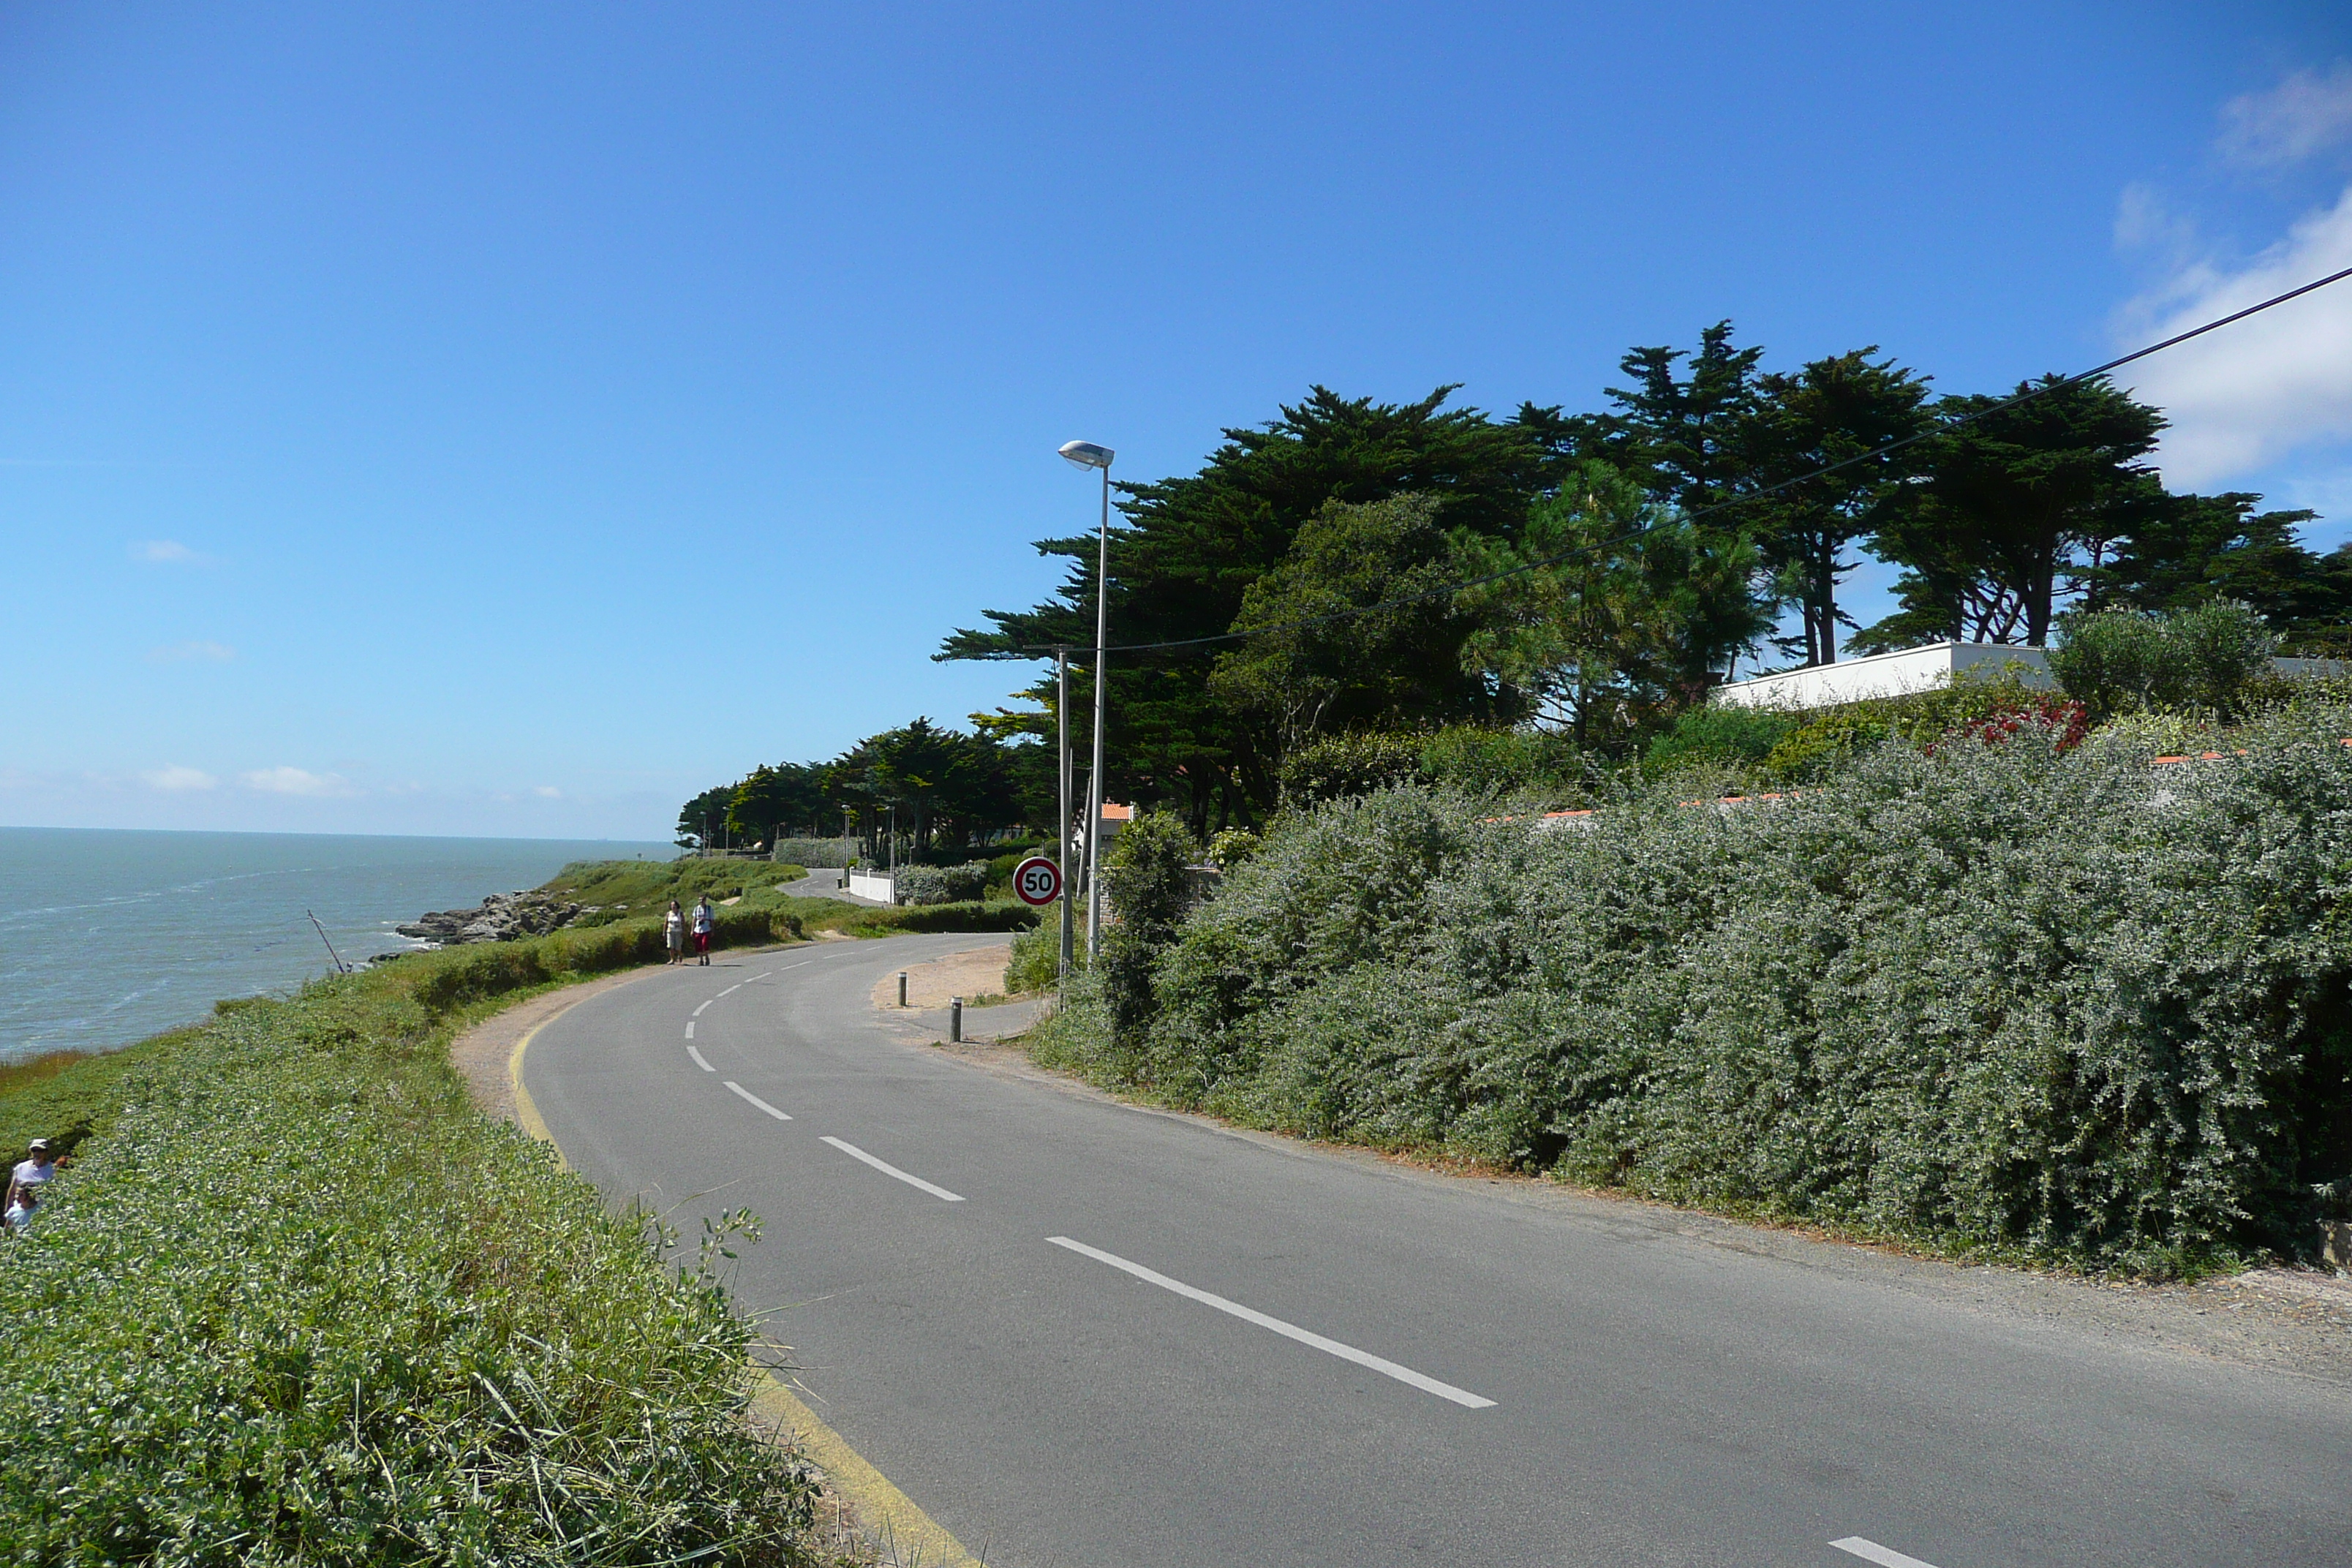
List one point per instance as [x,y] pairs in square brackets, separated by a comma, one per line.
[882,1509]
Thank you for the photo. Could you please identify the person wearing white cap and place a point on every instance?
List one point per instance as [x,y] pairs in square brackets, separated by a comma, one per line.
[25,1183]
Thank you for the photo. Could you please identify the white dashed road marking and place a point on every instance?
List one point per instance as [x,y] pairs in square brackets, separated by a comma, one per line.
[690,1028]
[754,1100]
[1427,1385]
[1870,1552]
[854,1153]
[705,1065]
[698,1011]
[728,992]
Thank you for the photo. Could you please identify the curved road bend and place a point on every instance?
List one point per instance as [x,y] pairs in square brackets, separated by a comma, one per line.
[1082,1335]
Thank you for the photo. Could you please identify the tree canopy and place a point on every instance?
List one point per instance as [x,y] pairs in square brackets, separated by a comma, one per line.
[1306,582]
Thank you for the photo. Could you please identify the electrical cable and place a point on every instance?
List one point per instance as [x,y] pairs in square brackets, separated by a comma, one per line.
[2038,390]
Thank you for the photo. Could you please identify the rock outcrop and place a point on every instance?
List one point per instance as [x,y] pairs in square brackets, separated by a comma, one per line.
[503,917]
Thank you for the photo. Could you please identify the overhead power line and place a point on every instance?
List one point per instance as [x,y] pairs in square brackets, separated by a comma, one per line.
[1449,590]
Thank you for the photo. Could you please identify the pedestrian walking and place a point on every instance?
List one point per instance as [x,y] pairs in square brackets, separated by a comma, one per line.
[706,920]
[673,934]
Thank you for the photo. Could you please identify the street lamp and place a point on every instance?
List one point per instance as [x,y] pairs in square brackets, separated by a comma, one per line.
[1087,454]
[1062,847]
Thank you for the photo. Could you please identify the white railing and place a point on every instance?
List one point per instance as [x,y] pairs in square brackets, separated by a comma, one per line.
[867,885]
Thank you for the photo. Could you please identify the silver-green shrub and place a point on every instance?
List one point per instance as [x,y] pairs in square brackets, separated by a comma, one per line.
[300,1303]
[832,852]
[941,884]
[1998,996]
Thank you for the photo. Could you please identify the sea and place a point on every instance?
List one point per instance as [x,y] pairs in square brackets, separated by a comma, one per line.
[109,936]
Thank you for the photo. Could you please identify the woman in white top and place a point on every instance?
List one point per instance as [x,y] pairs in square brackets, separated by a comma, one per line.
[674,932]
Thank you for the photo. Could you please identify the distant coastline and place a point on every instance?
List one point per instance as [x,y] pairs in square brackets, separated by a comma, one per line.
[109,935]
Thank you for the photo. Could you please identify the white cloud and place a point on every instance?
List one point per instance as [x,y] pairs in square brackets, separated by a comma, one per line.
[162,552]
[297,781]
[217,653]
[2254,391]
[2305,115]
[176,778]
[2145,221]
[547,792]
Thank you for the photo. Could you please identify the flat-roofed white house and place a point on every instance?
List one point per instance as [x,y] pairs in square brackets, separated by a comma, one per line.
[1926,668]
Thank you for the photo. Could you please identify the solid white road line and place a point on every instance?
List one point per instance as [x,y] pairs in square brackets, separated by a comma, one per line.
[728,992]
[854,1153]
[698,1011]
[705,1065]
[755,1100]
[1289,1331]
[690,1028]
[1870,1552]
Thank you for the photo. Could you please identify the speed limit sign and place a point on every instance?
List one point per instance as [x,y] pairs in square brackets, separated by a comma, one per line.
[1036,881]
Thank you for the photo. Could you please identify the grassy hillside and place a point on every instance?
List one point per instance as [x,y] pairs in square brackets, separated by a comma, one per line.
[634,890]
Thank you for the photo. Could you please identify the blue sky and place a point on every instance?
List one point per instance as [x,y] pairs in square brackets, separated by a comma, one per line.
[492,419]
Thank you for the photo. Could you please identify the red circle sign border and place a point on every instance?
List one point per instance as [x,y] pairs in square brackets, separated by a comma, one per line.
[1021,894]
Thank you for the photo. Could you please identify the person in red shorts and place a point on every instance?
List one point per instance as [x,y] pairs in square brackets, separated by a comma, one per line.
[704,919]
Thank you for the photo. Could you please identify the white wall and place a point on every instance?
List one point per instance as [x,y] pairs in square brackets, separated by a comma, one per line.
[1887,675]
[864,885]
[1921,668]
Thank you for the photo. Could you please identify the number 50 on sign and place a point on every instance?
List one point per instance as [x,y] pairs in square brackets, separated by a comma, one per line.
[1036,881]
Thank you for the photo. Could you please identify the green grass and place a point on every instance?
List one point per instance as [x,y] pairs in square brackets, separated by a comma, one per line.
[813,915]
[627,887]
[296,1300]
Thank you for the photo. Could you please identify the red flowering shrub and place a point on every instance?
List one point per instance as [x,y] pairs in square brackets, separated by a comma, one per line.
[2043,713]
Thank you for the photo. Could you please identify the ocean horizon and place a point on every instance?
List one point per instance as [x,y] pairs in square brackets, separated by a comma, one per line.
[109,935]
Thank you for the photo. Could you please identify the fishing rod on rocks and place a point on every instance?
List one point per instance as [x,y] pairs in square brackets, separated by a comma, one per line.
[340,967]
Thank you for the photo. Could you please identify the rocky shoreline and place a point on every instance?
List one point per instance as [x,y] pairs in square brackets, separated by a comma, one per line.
[501,917]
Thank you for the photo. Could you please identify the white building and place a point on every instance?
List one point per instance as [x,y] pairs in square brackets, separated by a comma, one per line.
[1925,669]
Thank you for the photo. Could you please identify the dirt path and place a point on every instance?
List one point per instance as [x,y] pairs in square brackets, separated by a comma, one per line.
[977,973]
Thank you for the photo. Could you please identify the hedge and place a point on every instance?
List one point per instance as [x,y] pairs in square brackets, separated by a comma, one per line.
[1999,995]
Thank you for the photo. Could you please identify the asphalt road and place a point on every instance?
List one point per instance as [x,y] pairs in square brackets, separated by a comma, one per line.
[1082,1334]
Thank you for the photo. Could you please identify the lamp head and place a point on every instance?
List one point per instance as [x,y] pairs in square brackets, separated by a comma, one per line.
[1087,454]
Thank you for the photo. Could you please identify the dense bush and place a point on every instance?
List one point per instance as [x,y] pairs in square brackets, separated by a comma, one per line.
[298,1302]
[1827,738]
[1718,735]
[2000,995]
[1491,762]
[2214,657]
[1496,763]
[1338,766]
[1034,964]
[941,884]
[963,915]
[1146,873]
[834,853]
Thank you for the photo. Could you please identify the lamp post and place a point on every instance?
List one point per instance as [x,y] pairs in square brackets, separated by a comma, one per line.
[1062,850]
[1087,454]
